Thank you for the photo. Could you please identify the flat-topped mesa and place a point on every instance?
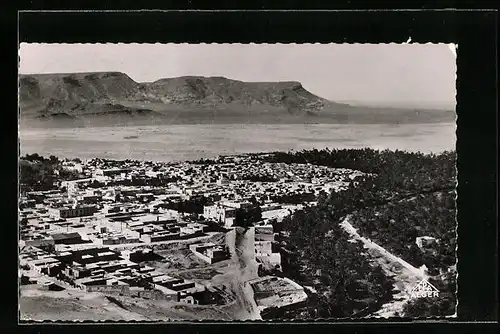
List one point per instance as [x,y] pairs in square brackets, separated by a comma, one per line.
[83,93]
[75,79]
[194,89]
[110,98]
[76,87]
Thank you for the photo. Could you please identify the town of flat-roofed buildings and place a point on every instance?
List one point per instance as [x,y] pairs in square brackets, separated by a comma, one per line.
[96,232]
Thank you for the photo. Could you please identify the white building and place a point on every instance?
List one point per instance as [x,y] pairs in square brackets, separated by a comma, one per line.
[221,214]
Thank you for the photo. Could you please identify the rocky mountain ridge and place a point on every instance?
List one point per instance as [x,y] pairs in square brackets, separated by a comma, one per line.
[114,98]
[64,93]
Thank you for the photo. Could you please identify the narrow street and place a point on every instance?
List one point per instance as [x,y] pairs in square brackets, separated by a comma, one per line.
[241,247]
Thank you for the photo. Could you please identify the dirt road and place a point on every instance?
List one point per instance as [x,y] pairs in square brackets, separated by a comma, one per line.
[405,275]
[241,247]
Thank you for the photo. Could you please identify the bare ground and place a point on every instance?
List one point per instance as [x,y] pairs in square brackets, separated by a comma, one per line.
[71,306]
[80,305]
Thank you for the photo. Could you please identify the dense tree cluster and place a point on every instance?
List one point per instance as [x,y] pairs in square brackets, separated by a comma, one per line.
[397,225]
[404,195]
[194,205]
[294,198]
[38,170]
[38,173]
[321,255]
[67,174]
[248,216]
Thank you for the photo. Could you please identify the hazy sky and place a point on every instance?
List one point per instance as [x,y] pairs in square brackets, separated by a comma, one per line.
[380,74]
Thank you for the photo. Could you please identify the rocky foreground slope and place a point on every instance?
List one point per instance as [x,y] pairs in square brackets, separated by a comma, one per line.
[113,98]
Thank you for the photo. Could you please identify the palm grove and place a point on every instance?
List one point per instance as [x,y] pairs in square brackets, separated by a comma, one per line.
[404,195]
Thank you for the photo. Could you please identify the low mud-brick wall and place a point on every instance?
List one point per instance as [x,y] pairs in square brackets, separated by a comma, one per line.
[157,295]
[110,289]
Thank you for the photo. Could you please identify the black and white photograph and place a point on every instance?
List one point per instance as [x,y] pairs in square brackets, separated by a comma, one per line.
[232,182]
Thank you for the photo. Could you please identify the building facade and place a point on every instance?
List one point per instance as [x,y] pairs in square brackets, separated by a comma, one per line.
[72,212]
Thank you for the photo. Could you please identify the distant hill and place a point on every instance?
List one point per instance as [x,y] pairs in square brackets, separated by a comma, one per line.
[113,98]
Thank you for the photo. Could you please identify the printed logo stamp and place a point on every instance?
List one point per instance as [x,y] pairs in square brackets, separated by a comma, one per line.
[424,289]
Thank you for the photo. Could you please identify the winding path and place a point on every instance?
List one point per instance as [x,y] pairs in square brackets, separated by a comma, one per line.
[241,247]
[404,274]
